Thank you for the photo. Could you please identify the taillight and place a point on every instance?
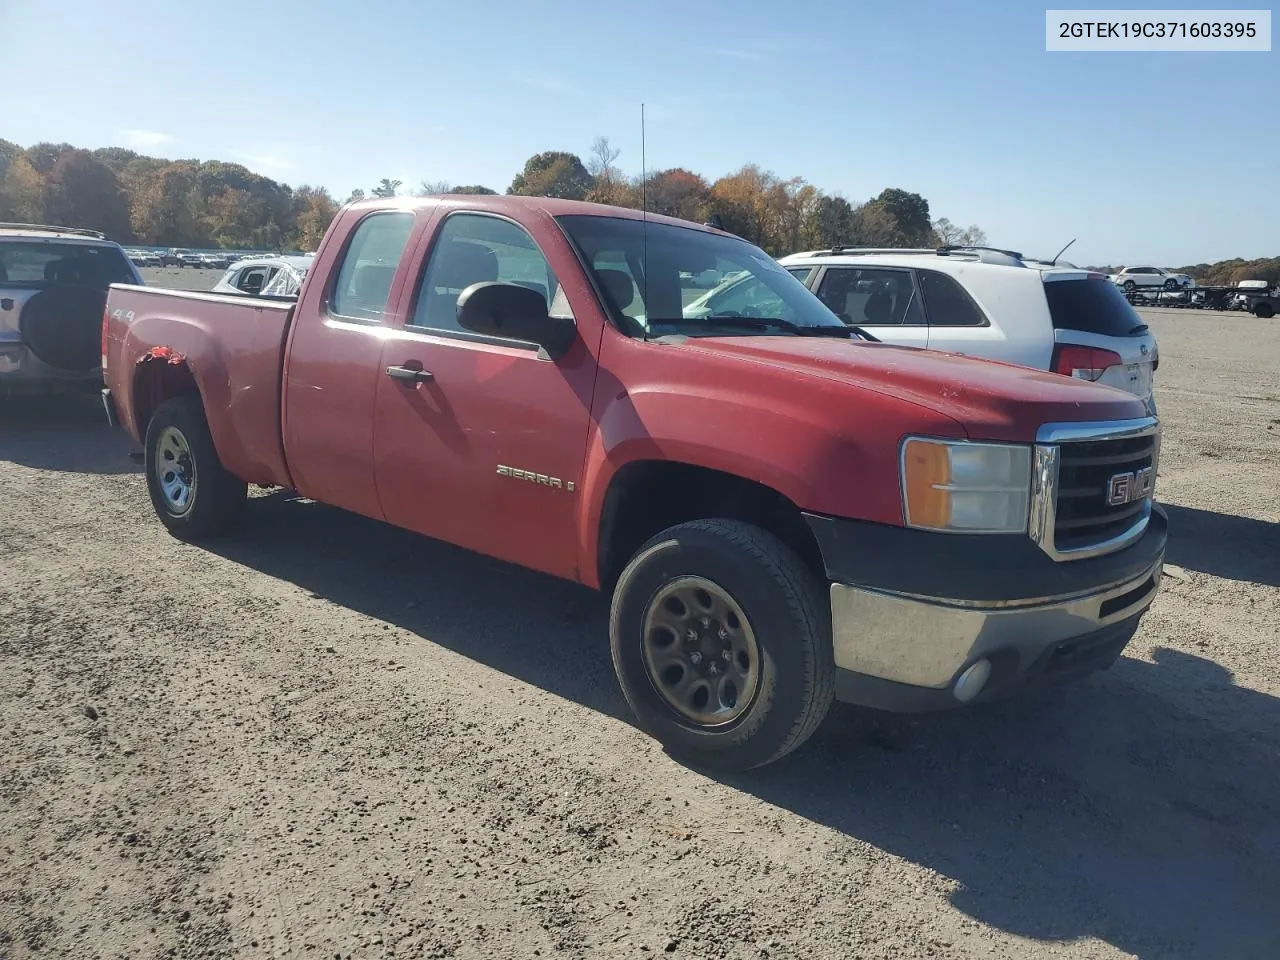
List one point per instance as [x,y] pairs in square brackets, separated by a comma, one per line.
[1083,363]
[105,316]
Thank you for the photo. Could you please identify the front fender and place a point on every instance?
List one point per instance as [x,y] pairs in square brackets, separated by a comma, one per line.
[807,443]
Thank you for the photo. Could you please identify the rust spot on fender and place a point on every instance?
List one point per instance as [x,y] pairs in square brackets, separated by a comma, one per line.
[167,354]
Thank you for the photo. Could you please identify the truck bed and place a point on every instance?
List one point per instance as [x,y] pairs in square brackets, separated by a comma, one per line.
[230,347]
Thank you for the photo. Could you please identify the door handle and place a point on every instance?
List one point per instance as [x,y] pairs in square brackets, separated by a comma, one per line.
[409,374]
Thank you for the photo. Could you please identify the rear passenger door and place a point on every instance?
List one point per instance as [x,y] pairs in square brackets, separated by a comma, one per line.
[958,324]
[883,301]
[332,372]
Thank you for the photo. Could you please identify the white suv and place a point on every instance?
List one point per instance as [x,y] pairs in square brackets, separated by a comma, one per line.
[983,302]
[1133,278]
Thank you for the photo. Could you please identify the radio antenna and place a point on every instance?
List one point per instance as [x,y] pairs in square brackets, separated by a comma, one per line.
[644,229]
[1054,261]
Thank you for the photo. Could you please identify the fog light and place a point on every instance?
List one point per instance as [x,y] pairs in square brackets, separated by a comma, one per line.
[971,682]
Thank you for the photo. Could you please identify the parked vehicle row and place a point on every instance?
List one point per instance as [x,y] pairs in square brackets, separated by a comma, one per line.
[179,257]
[783,511]
[1257,297]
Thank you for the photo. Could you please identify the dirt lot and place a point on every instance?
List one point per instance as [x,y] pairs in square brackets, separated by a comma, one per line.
[180,278]
[326,738]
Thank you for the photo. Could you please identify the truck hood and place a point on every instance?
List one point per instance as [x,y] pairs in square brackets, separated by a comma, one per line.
[990,399]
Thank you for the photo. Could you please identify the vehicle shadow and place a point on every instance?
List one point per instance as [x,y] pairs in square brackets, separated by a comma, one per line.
[65,433]
[1228,546]
[539,629]
[1141,807]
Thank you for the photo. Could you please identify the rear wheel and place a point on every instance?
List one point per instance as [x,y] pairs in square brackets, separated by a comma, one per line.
[192,493]
[1171,284]
[1129,286]
[721,640]
[1264,310]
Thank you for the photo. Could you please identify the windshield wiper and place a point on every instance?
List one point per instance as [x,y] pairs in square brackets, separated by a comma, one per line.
[843,332]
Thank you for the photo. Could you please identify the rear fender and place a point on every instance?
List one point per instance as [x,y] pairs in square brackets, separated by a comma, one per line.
[181,356]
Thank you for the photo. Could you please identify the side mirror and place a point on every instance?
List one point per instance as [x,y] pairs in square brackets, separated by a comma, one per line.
[508,310]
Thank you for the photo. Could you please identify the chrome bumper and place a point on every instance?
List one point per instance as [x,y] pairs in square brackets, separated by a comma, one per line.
[930,642]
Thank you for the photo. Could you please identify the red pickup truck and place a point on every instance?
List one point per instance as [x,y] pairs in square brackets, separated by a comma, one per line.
[783,511]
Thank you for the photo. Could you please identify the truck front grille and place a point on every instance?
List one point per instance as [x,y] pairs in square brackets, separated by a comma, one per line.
[1084,516]
[1094,486]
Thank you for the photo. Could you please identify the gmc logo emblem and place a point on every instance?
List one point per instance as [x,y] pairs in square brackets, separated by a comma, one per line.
[1125,488]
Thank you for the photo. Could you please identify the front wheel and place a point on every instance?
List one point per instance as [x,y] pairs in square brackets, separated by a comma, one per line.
[1264,311]
[192,493]
[721,639]
[1129,286]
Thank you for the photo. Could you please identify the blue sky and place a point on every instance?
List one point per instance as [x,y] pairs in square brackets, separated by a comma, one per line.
[1164,157]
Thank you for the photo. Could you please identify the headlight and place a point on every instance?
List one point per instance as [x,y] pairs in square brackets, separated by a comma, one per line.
[962,487]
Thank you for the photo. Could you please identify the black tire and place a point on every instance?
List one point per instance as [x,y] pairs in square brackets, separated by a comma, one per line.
[1171,284]
[785,605]
[1129,286]
[216,497]
[1264,311]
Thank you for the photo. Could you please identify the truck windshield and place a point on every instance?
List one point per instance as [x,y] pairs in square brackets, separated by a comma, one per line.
[662,279]
[41,263]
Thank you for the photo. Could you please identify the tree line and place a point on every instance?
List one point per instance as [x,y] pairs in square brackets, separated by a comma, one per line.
[192,203]
[139,199]
[781,215]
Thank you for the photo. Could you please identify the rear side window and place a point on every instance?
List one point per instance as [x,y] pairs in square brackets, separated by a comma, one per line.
[1091,306]
[947,303]
[43,263]
[364,280]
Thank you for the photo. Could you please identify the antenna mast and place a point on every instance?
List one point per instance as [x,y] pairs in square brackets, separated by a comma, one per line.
[644,228]
[1054,261]
[644,176]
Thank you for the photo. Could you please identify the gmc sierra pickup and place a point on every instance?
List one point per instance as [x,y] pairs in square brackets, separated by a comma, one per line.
[783,511]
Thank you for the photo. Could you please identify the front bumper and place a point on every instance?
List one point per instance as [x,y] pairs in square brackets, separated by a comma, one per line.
[908,642]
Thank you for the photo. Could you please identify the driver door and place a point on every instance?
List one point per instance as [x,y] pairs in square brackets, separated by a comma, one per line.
[479,441]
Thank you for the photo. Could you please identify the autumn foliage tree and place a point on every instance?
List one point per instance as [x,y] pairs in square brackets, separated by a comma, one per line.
[193,203]
[553,173]
[82,191]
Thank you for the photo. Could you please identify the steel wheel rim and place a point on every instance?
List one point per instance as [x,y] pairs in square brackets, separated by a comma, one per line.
[175,470]
[700,652]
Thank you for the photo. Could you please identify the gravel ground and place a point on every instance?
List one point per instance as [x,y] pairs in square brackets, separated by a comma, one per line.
[180,278]
[327,738]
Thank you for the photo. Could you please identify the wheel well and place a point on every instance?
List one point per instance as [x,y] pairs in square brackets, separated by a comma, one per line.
[647,497]
[156,380]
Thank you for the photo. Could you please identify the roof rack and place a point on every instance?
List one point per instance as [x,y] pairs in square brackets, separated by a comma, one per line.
[982,254]
[976,248]
[48,228]
[838,251]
